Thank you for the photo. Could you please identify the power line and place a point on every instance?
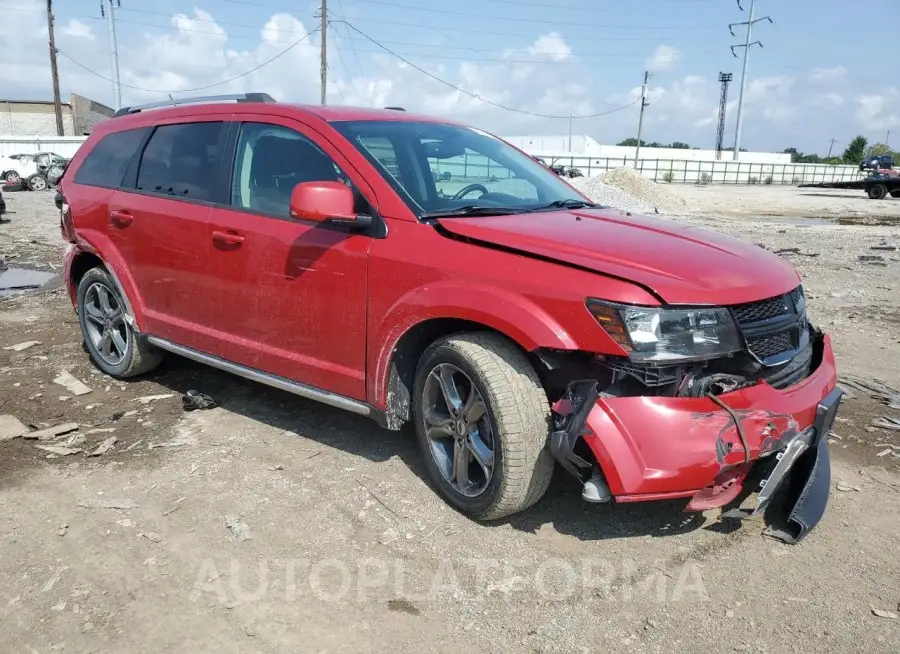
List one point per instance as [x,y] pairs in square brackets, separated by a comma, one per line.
[518,3]
[610,56]
[199,88]
[355,56]
[443,30]
[214,21]
[506,60]
[470,93]
[517,19]
[479,16]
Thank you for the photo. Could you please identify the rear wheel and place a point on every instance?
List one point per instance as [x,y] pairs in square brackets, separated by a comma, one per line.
[877,191]
[482,420]
[12,178]
[109,338]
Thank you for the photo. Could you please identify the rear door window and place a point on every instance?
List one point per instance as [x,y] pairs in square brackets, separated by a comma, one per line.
[184,161]
[107,163]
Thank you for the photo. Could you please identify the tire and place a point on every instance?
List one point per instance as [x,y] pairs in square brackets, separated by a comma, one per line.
[895,194]
[877,191]
[129,354]
[11,177]
[517,417]
[36,183]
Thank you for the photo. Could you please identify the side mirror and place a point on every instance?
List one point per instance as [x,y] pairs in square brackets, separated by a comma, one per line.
[325,202]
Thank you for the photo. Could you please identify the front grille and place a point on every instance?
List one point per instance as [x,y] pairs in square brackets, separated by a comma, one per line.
[775,329]
[755,311]
[769,346]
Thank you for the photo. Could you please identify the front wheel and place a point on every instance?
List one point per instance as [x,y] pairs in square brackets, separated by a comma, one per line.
[12,178]
[482,420]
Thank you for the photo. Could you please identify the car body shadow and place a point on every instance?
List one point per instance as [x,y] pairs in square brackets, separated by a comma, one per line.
[562,506]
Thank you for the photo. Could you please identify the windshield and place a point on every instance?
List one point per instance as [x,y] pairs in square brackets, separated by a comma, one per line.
[448,169]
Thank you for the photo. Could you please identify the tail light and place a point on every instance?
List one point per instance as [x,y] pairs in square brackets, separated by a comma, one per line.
[66,227]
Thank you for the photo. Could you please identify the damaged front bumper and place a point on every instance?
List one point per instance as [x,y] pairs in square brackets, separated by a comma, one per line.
[653,448]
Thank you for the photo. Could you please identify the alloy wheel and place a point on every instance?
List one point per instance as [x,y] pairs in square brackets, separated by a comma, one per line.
[105,323]
[458,430]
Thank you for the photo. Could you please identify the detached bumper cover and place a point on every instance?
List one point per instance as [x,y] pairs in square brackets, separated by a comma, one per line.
[653,448]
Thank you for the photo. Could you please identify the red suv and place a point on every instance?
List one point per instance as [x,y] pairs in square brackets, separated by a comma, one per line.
[411,268]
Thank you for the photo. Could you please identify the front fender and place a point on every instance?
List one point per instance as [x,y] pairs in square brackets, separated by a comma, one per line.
[513,315]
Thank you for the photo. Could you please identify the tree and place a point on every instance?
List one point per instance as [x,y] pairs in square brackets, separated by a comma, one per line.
[799,157]
[856,150]
[632,142]
[880,149]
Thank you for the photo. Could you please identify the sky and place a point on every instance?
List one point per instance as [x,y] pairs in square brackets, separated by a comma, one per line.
[808,84]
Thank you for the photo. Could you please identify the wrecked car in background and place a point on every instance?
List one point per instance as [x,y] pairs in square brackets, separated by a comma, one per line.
[518,325]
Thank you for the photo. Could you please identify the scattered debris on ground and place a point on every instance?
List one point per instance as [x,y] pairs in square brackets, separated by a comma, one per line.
[11,427]
[240,530]
[70,383]
[108,503]
[104,447]
[52,432]
[197,401]
[147,399]
[20,347]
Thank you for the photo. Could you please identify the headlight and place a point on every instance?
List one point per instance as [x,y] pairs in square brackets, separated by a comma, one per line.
[668,335]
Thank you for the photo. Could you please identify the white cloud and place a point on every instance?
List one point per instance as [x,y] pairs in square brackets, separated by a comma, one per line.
[75,28]
[874,111]
[827,74]
[663,58]
[542,75]
[551,45]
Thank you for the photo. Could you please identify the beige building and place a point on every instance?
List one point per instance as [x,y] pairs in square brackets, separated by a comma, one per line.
[37,117]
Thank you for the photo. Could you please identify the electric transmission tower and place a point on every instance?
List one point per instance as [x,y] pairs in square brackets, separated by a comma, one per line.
[746,45]
[725,79]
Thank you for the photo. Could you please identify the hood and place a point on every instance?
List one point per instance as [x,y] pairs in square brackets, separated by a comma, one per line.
[679,263]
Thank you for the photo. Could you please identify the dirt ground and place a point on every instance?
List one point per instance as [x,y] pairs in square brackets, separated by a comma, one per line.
[274,524]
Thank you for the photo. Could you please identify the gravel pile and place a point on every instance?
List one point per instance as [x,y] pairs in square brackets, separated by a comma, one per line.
[597,191]
[628,190]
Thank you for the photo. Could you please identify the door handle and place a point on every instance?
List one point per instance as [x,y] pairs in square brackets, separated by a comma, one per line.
[232,239]
[120,218]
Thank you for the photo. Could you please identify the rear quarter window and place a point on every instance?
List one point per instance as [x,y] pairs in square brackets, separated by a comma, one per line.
[105,165]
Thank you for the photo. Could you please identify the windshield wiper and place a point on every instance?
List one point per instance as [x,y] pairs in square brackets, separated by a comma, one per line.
[569,203]
[473,210]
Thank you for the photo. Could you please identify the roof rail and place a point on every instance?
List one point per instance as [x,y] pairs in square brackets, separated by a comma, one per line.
[396,108]
[238,97]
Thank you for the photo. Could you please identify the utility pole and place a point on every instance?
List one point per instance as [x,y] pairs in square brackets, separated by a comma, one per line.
[887,139]
[725,80]
[644,103]
[830,147]
[746,46]
[570,133]
[324,66]
[113,48]
[54,73]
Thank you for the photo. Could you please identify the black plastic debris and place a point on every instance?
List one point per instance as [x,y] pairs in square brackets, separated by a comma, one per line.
[196,401]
